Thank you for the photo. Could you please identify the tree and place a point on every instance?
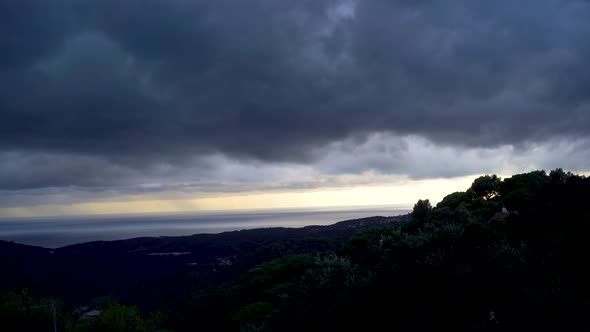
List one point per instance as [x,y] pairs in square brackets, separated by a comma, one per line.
[532,182]
[452,201]
[118,317]
[255,313]
[422,210]
[486,187]
[520,190]
[559,176]
[23,312]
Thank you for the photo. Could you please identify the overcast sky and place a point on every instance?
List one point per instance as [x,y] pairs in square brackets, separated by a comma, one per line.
[160,105]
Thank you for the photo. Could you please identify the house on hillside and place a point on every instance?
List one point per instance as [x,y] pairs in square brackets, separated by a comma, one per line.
[500,215]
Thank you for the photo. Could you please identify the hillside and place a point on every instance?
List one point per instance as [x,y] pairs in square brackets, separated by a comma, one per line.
[212,242]
[127,268]
[504,255]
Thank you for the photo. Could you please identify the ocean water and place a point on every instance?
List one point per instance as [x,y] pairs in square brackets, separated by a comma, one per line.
[54,232]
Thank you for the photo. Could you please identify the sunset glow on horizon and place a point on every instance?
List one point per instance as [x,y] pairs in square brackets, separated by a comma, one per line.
[405,194]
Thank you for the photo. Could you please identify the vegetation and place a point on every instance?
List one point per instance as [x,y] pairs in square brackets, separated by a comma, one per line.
[24,312]
[460,265]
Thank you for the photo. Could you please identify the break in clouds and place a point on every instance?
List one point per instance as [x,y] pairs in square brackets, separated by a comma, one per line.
[237,95]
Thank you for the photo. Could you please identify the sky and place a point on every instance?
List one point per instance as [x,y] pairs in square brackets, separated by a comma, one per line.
[143,106]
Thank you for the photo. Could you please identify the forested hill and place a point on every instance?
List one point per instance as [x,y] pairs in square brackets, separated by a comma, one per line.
[151,270]
[504,255]
[234,239]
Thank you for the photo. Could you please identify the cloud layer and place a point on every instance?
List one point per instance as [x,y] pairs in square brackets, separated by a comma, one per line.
[102,94]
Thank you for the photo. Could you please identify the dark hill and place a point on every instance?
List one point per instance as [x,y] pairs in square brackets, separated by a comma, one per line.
[203,243]
[150,266]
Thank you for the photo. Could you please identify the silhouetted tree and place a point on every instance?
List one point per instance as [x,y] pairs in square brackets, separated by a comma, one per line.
[452,201]
[485,187]
[422,210]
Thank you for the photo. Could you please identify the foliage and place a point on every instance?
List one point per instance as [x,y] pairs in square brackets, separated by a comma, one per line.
[119,318]
[485,187]
[461,265]
[454,200]
[451,267]
[23,312]
[421,211]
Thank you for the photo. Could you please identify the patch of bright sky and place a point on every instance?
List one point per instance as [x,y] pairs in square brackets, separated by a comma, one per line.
[399,194]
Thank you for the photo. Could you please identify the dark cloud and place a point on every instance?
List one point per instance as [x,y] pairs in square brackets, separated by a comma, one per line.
[135,84]
[32,30]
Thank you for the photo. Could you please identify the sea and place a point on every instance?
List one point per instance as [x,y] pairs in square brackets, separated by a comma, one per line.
[55,232]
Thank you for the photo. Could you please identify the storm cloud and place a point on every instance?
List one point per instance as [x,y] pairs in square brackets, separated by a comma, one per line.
[122,93]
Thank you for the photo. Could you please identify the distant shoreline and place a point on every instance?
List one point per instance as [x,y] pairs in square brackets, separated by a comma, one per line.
[55,233]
